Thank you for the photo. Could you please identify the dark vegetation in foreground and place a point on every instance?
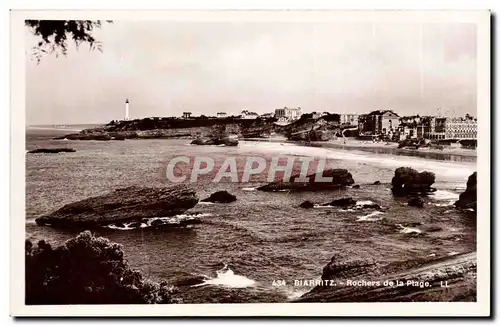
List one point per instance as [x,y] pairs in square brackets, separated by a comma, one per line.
[88,270]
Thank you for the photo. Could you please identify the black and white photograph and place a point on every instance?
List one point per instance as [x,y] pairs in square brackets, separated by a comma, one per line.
[285,158]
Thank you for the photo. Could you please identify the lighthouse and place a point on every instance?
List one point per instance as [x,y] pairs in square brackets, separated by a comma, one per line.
[126,109]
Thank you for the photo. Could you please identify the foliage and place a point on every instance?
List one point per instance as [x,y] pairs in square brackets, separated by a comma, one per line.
[54,35]
[87,270]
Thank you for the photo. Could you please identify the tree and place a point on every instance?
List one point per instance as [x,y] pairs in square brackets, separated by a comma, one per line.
[87,270]
[54,35]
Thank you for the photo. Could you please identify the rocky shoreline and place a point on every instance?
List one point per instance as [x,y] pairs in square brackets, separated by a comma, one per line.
[443,279]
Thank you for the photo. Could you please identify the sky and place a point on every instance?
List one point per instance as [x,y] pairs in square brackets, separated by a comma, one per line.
[165,68]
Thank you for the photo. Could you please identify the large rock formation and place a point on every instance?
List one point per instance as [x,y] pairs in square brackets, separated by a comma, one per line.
[122,205]
[340,178]
[409,181]
[451,278]
[468,199]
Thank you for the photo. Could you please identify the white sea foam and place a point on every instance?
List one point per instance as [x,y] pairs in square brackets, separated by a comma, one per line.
[364,202]
[444,195]
[450,203]
[292,294]
[453,253]
[370,217]
[226,278]
[126,227]
[249,189]
[205,203]
[406,229]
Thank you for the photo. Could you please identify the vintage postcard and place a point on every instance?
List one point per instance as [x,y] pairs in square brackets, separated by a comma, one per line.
[250,163]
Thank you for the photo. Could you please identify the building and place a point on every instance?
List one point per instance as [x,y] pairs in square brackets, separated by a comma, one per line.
[378,123]
[349,119]
[127,107]
[412,127]
[245,114]
[461,128]
[267,115]
[438,128]
[221,114]
[290,114]
[186,115]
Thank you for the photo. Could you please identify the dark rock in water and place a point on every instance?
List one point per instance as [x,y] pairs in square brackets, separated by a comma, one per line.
[459,271]
[122,205]
[181,224]
[52,150]
[409,181]
[434,229]
[342,202]
[356,187]
[157,222]
[376,183]
[195,280]
[468,199]
[203,141]
[339,178]
[306,204]
[119,225]
[135,225]
[370,206]
[416,202]
[220,197]
[215,141]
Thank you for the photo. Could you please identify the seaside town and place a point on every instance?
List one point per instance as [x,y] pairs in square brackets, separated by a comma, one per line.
[377,126]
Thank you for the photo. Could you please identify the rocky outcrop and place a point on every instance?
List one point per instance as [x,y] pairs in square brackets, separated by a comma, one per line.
[215,141]
[339,178]
[406,281]
[52,150]
[416,202]
[88,136]
[468,199]
[342,202]
[409,181]
[307,204]
[131,204]
[220,197]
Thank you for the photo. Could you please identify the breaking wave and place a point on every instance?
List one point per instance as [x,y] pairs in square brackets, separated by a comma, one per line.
[408,230]
[370,217]
[227,278]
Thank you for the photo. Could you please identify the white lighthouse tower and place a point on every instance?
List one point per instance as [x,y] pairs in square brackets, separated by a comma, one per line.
[126,110]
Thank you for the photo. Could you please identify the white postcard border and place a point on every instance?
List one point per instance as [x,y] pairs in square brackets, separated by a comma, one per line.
[17,179]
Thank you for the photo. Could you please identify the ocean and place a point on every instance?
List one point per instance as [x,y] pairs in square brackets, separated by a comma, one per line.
[253,249]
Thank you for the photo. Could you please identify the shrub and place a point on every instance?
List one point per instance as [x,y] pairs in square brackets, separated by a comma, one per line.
[87,270]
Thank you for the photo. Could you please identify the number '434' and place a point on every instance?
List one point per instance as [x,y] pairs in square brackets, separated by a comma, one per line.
[279,283]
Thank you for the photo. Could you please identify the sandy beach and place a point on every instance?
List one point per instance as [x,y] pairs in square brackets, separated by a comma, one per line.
[381,147]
